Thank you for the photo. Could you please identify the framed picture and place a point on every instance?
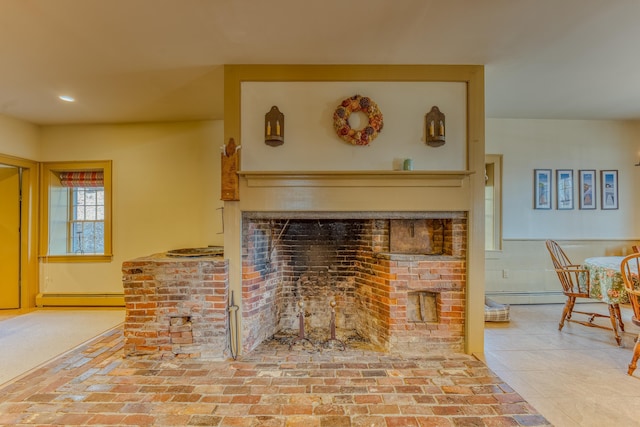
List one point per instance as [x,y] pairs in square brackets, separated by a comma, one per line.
[542,188]
[609,189]
[587,189]
[564,191]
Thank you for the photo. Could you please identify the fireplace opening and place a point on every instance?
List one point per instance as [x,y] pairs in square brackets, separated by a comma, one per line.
[388,283]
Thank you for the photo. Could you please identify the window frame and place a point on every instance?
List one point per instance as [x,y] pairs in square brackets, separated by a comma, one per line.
[494,163]
[47,171]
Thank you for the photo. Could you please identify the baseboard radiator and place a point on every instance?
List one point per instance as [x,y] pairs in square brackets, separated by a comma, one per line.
[80,300]
[527,297]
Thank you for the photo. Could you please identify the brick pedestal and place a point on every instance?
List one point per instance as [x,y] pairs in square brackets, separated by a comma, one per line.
[176,307]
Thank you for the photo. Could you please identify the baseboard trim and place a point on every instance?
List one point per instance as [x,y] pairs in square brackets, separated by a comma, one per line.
[536,297]
[79,300]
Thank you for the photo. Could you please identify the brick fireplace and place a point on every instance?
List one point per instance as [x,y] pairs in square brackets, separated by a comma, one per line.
[397,279]
[312,176]
[390,248]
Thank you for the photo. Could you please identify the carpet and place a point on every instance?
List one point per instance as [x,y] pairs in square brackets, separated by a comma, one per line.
[29,340]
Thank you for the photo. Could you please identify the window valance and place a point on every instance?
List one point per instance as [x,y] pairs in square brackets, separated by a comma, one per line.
[82,179]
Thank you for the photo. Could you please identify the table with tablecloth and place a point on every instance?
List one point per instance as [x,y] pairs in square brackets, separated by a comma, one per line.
[606,279]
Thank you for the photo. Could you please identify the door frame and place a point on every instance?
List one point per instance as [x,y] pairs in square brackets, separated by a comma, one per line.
[29,284]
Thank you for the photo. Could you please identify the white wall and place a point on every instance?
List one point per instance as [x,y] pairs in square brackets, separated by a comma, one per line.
[559,144]
[19,139]
[166,191]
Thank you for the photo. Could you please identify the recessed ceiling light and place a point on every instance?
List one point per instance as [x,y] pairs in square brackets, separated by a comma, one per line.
[67,98]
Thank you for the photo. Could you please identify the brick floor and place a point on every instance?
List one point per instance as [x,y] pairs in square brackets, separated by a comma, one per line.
[273,386]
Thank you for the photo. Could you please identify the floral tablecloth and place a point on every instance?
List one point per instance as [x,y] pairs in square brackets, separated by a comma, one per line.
[606,280]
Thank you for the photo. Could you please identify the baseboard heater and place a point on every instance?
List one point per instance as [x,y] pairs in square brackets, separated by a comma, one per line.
[524,297]
[80,300]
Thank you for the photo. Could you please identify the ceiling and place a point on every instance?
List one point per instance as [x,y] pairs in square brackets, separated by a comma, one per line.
[162,60]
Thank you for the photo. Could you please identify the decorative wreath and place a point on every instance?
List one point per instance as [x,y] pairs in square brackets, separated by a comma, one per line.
[341,120]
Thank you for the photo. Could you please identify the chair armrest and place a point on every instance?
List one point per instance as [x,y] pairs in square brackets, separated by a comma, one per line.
[579,277]
[635,292]
[573,269]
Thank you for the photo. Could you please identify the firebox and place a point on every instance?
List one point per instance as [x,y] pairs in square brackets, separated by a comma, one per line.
[397,280]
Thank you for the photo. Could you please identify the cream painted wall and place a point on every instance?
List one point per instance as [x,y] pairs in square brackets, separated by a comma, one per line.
[19,138]
[558,144]
[166,192]
[161,171]
[311,143]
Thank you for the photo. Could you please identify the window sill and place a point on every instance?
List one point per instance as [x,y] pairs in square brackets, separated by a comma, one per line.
[71,258]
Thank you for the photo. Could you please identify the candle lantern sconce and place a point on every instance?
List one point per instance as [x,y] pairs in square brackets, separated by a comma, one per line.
[435,127]
[274,127]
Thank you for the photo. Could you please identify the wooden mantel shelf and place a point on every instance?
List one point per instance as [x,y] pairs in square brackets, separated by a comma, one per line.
[355,178]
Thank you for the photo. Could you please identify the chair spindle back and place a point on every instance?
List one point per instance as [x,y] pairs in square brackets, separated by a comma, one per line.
[574,280]
[629,268]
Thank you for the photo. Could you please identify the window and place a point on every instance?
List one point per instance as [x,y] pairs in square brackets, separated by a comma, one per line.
[76,207]
[87,220]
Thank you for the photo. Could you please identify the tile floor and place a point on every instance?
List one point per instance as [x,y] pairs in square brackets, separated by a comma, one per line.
[576,377]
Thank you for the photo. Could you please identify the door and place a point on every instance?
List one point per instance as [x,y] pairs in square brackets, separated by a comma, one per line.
[9,237]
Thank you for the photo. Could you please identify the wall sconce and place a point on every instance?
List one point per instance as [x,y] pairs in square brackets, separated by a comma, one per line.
[274,127]
[435,127]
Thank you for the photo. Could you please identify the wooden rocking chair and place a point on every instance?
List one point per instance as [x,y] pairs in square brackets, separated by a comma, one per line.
[576,283]
[629,268]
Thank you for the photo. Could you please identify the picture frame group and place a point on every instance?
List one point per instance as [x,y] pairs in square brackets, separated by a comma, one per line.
[545,185]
